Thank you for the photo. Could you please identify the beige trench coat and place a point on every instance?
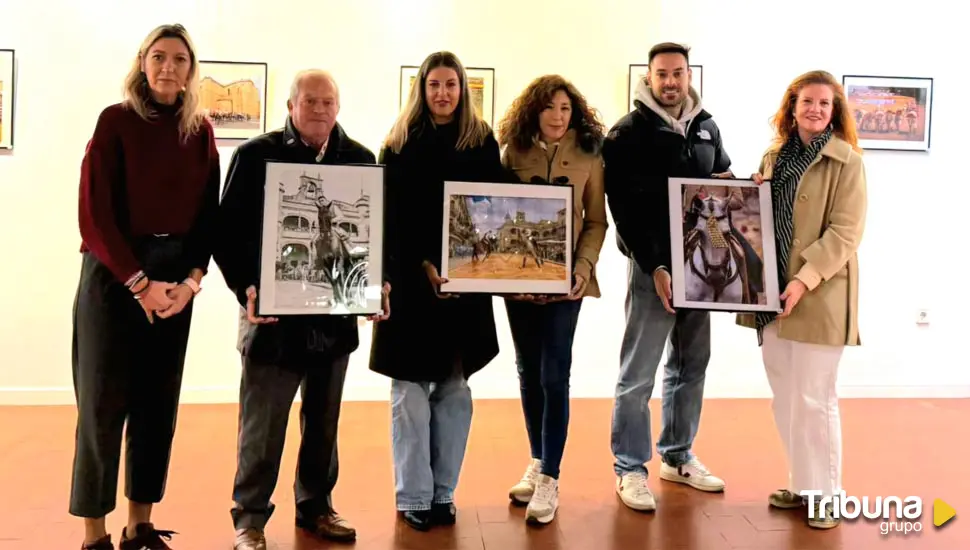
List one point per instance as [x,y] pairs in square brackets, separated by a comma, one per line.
[829,218]
[585,173]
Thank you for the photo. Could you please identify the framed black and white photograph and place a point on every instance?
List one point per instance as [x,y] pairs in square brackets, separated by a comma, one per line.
[322,240]
[481,86]
[892,113]
[233,95]
[507,238]
[722,243]
[7,76]
[639,71]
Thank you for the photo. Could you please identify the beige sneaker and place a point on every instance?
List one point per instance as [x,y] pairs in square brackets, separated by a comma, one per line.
[823,518]
[635,493]
[544,502]
[250,539]
[521,492]
[786,500]
[693,473]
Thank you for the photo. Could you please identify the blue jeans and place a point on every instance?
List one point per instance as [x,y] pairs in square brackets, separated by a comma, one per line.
[648,327]
[429,431]
[543,338]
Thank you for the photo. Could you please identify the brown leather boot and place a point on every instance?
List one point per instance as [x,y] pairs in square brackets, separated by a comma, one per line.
[328,526]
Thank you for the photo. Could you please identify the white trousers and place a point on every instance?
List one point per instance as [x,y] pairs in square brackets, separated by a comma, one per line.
[806,407]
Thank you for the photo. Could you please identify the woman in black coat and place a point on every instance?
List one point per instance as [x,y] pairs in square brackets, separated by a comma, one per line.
[432,343]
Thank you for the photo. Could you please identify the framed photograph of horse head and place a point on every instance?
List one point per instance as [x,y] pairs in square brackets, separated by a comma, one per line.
[722,244]
[507,238]
[322,240]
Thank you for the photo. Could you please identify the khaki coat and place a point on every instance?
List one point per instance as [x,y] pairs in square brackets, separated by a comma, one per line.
[829,218]
[585,173]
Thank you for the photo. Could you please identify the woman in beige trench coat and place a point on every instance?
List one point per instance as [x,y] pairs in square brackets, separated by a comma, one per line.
[818,189]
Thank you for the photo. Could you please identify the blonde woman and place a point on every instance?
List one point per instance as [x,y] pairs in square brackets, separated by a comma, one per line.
[818,190]
[432,343]
[148,193]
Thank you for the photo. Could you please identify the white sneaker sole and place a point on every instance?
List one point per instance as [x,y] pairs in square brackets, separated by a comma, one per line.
[687,481]
[519,499]
[534,519]
[639,507]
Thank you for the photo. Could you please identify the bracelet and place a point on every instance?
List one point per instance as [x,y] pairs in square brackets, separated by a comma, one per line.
[135,279]
[190,282]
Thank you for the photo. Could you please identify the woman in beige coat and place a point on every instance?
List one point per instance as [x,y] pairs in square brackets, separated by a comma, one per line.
[552,135]
[818,191]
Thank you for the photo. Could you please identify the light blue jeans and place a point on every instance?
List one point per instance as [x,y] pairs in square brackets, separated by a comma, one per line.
[429,432]
[648,328]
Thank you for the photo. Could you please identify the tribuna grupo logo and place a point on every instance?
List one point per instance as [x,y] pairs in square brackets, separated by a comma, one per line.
[897,515]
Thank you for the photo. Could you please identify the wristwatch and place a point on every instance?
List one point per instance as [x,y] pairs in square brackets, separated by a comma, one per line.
[190,282]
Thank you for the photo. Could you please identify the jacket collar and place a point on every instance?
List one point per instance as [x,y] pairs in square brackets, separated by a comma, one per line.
[567,140]
[837,149]
[291,137]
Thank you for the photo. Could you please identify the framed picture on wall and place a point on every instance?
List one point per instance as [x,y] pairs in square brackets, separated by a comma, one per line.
[507,238]
[722,244]
[639,72]
[7,77]
[481,85]
[233,95]
[322,243]
[891,112]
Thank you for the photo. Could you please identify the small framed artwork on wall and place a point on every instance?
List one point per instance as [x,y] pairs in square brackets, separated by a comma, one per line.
[481,86]
[639,72]
[7,76]
[891,112]
[233,95]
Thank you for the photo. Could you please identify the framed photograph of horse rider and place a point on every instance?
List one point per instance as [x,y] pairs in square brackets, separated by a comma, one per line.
[322,240]
[507,238]
[722,243]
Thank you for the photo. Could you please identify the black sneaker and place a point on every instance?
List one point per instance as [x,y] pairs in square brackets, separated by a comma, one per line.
[146,538]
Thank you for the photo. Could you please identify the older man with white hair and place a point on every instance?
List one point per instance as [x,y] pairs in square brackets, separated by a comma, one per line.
[280,356]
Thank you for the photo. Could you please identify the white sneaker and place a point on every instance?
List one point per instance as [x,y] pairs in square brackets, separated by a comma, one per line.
[693,473]
[635,493]
[544,502]
[521,492]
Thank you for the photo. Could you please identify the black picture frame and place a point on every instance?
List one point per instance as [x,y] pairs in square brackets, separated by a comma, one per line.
[294,263]
[721,273]
[226,94]
[483,249]
[8,98]
[869,97]
[486,74]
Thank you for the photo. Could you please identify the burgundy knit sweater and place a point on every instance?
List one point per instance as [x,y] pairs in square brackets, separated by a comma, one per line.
[138,178]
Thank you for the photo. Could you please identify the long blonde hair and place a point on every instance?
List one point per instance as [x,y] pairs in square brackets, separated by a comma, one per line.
[472,130]
[138,96]
[843,125]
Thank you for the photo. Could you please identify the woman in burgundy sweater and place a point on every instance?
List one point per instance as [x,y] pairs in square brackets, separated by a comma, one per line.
[149,190]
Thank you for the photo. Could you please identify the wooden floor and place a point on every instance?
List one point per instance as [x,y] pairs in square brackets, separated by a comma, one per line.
[892,448]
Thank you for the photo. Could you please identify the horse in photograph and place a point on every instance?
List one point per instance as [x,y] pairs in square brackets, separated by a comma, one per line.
[484,247]
[720,264]
[332,254]
[530,248]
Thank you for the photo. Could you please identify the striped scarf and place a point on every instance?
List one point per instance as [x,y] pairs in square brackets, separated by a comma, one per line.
[793,160]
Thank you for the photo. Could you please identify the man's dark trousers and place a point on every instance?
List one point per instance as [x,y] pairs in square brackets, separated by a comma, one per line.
[266,397]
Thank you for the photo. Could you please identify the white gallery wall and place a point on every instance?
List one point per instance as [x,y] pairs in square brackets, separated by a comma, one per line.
[73,56]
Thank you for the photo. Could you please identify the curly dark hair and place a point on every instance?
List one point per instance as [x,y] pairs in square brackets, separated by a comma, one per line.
[521,122]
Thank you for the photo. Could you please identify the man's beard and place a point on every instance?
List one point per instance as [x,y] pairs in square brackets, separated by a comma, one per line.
[670,103]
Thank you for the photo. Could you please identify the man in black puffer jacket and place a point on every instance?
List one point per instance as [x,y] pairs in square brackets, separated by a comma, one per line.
[669,134]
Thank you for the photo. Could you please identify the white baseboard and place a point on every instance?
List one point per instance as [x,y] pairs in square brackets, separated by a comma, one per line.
[230,394]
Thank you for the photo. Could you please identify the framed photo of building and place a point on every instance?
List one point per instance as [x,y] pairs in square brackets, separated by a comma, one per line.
[722,244]
[7,77]
[507,238]
[322,240]
[639,72]
[891,112]
[481,85]
[233,95]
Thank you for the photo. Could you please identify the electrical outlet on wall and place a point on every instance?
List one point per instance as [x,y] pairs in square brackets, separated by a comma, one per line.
[922,316]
